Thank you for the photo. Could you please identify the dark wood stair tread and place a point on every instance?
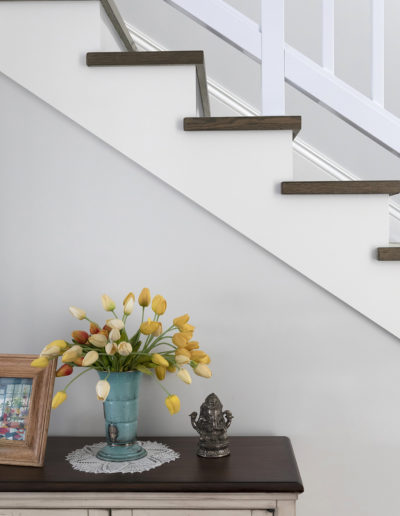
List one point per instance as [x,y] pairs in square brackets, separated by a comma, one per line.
[176,57]
[244,123]
[389,254]
[340,187]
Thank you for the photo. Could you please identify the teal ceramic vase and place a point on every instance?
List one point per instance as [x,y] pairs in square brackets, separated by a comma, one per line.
[121,415]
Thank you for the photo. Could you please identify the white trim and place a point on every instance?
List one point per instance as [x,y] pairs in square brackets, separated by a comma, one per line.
[242,108]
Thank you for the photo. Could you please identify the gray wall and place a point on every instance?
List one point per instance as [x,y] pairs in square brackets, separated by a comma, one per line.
[78,219]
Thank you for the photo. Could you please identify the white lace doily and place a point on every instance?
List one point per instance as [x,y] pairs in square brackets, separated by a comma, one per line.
[85,459]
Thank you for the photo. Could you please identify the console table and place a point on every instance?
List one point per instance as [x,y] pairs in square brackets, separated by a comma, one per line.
[259,478]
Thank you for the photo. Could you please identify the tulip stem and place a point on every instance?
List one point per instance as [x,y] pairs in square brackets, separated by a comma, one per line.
[115,315]
[143,313]
[161,385]
[76,377]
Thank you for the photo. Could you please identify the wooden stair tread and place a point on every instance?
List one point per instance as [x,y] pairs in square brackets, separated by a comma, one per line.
[175,57]
[389,254]
[244,123]
[340,187]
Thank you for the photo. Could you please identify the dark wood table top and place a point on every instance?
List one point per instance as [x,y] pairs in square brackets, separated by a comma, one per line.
[256,464]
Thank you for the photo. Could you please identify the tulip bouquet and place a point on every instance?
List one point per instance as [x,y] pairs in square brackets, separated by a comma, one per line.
[108,348]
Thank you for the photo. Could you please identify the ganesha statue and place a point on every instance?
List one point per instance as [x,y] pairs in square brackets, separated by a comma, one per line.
[212,425]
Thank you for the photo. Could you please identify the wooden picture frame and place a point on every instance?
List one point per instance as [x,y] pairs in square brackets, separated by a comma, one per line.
[31,449]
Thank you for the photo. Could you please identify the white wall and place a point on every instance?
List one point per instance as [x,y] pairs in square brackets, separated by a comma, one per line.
[78,219]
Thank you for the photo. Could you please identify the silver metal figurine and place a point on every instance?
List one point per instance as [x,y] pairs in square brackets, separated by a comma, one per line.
[212,425]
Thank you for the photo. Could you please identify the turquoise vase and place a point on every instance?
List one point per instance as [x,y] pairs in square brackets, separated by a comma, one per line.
[121,415]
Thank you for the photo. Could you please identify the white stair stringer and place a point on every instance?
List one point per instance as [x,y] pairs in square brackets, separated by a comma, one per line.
[235,175]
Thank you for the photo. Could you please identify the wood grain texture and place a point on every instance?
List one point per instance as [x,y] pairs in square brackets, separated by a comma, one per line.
[179,57]
[31,451]
[256,464]
[389,254]
[340,187]
[244,123]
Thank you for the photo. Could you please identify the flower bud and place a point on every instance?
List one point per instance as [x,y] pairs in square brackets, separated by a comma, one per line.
[181,321]
[160,372]
[98,339]
[102,389]
[80,336]
[158,359]
[202,370]
[77,312]
[182,359]
[111,348]
[40,362]
[115,324]
[114,334]
[179,340]
[159,305]
[148,327]
[124,348]
[90,358]
[128,303]
[173,404]
[71,354]
[144,298]
[94,328]
[64,370]
[190,346]
[108,303]
[59,398]
[158,331]
[184,376]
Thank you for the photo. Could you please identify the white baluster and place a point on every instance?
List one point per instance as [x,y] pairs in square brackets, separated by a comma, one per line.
[328,35]
[378,52]
[273,58]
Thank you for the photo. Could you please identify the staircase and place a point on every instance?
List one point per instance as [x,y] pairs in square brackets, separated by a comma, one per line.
[153,107]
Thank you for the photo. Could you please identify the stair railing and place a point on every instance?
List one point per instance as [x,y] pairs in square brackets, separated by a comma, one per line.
[265,43]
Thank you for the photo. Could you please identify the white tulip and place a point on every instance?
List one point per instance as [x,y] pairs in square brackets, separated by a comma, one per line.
[111,348]
[102,389]
[77,312]
[116,324]
[98,339]
[184,376]
[182,359]
[114,334]
[124,349]
[90,358]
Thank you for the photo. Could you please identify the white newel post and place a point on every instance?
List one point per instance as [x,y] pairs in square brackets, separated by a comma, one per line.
[273,58]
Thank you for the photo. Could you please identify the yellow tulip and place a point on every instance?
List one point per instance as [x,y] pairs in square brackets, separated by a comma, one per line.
[181,321]
[171,369]
[158,359]
[52,351]
[90,358]
[60,343]
[124,348]
[202,370]
[190,346]
[188,328]
[183,351]
[158,331]
[198,356]
[111,348]
[148,327]
[108,303]
[98,339]
[40,362]
[59,398]
[186,335]
[159,305]
[77,312]
[102,389]
[173,404]
[129,303]
[71,354]
[160,372]
[182,359]
[179,340]
[144,298]
[184,376]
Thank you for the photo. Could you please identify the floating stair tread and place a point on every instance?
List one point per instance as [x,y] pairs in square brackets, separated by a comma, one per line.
[244,123]
[389,254]
[175,57]
[340,187]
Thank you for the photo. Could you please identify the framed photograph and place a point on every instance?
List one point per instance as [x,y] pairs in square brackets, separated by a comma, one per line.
[25,405]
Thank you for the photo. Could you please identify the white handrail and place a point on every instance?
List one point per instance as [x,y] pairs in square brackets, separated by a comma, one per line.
[319,82]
